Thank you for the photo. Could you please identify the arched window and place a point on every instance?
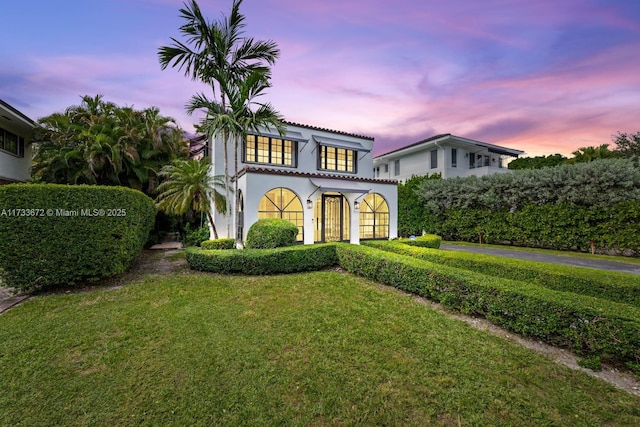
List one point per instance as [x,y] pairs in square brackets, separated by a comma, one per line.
[282,203]
[374,217]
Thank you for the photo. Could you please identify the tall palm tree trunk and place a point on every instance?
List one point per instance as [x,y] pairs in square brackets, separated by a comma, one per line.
[213,225]
[238,238]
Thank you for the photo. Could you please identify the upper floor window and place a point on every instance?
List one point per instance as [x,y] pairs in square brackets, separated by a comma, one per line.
[337,159]
[434,159]
[454,157]
[396,167]
[11,143]
[270,151]
[386,168]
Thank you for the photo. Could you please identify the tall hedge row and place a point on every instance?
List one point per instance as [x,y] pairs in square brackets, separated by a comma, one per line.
[613,229]
[58,234]
[563,207]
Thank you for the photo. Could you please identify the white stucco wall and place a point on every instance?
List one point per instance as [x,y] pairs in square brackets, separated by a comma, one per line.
[417,161]
[254,185]
[14,168]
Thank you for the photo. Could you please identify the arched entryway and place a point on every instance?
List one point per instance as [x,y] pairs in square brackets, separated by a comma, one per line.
[374,217]
[282,203]
[331,218]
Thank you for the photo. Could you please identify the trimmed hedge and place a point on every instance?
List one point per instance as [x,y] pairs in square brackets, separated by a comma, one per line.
[218,244]
[426,241]
[269,233]
[58,234]
[291,259]
[587,325]
[618,287]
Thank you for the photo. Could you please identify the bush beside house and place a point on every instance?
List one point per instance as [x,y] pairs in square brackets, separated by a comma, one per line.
[58,235]
[218,244]
[271,233]
[291,259]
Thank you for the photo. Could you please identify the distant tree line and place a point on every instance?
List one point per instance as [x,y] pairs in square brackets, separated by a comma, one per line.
[627,146]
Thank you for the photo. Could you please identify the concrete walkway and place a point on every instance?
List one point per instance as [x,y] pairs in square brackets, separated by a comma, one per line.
[8,300]
[170,241]
[621,267]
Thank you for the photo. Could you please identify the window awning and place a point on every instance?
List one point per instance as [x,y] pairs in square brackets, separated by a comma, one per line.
[340,143]
[290,135]
[325,184]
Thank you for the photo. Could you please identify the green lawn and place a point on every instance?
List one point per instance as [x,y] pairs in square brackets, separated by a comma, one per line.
[320,349]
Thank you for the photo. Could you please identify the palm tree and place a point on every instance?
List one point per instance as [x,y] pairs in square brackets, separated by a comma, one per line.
[589,154]
[190,186]
[98,142]
[214,53]
[242,115]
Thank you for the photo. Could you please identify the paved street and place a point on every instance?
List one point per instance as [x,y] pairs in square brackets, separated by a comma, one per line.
[621,267]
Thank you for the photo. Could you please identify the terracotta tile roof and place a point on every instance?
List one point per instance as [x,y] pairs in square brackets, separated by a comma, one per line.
[270,171]
[329,130]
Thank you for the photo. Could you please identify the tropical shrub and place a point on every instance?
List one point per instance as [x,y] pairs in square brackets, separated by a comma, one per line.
[271,233]
[412,217]
[59,235]
[264,261]
[194,237]
[218,244]
[98,142]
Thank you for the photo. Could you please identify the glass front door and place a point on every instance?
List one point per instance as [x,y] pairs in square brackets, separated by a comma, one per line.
[332,212]
[331,219]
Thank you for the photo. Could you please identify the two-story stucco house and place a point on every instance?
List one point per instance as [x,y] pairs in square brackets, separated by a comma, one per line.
[319,179]
[15,145]
[448,155]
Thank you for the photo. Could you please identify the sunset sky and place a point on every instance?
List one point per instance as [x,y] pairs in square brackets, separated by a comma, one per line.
[544,76]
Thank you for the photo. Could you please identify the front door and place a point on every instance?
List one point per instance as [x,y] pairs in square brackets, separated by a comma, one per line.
[332,218]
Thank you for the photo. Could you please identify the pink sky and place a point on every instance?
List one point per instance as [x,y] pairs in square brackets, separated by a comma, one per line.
[544,77]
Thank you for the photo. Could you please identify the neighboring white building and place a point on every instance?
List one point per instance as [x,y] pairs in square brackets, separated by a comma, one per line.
[448,155]
[319,179]
[15,145]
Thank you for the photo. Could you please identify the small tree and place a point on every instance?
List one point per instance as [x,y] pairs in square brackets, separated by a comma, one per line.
[628,144]
[188,185]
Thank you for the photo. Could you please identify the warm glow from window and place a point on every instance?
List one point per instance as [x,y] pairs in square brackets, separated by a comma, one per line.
[337,159]
[374,217]
[271,151]
[282,203]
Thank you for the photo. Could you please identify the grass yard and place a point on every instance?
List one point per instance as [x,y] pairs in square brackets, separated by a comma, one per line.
[319,349]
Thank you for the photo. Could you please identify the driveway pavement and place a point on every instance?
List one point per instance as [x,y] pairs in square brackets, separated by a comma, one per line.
[621,267]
